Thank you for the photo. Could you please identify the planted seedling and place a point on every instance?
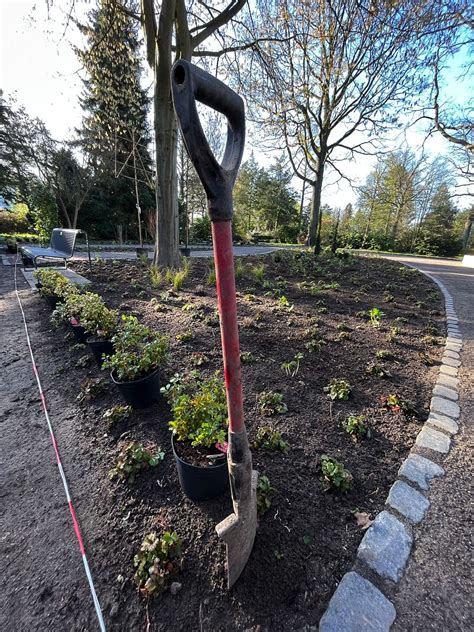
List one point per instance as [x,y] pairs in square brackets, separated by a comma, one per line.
[271,403]
[83,361]
[91,387]
[338,388]
[393,334]
[264,495]
[284,303]
[246,357]
[356,427]
[334,475]
[258,272]
[343,335]
[211,276]
[135,457]
[426,359]
[117,413]
[270,439]
[156,277]
[157,562]
[376,369]
[278,554]
[375,316]
[429,340]
[292,367]
[396,403]
[383,354]
[186,336]
[388,298]
[199,359]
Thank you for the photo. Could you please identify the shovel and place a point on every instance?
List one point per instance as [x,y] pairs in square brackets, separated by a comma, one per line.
[191,84]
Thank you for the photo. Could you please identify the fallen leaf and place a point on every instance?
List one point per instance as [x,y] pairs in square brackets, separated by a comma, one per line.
[363,519]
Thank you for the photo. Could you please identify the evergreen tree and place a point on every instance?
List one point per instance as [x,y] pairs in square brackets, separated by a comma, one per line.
[437,234]
[114,128]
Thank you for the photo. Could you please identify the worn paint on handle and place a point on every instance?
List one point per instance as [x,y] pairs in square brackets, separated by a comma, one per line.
[225,282]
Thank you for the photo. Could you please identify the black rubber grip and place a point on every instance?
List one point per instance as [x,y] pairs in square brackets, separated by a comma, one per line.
[190,84]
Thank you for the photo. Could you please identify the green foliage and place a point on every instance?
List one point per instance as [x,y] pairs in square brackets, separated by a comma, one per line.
[270,439]
[117,413]
[156,277]
[271,403]
[356,426]
[91,387]
[138,350]
[393,334]
[246,357]
[334,474]
[200,230]
[239,268]
[338,388]
[199,409]
[383,354]
[264,495]
[426,358]
[157,562]
[211,276]
[94,315]
[375,316]
[258,272]
[45,210]
[284,303]
[292,367]
[135,457]
[54,283]
[186,336]
[395,403]
[83,362]
[376,369]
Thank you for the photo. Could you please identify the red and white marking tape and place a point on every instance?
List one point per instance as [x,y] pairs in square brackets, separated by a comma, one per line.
[75,523]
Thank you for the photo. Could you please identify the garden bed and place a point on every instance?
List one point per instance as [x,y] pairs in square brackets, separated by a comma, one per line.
[308,538]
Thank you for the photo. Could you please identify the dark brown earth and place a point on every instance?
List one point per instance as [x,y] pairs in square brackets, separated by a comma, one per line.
[290,576]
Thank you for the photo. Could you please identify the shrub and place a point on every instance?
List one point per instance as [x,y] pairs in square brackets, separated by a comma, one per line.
[138,350]
[156,277]
[334,474]
[199,409]
[53,283]
[157,562]
[135,457]
[271,403]
[95,316]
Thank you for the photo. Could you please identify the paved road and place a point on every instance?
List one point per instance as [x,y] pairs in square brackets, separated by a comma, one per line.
[436,590]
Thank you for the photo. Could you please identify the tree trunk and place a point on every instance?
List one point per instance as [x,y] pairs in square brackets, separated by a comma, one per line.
[314,222]
[467,231]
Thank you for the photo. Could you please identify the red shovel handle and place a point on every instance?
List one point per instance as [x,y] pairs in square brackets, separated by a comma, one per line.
[225,282]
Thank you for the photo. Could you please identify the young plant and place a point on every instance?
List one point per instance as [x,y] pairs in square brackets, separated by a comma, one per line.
[238,268]
[395,403]
[393,334]
[383,354]
[199,409]
[96,317]
[264,495]
[259,273]
[117,413]
[356,427]
[292,367]
[376,369]
[135,457]
[199,359]
[91,388]
[284,303]
[156,277]
[138,351]
[270,439]
[375,316]
[271,403]
[338,388]
[186,336]
[211,276]
[426,359]
[334,474]
[157,563]
[246,357]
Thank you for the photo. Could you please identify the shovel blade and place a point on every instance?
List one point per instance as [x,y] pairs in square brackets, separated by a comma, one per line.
[238,532]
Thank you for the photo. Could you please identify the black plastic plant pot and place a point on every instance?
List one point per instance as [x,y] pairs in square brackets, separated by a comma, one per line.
[140,393]
[80,333]
[201,483]
[52,300]
[100,348]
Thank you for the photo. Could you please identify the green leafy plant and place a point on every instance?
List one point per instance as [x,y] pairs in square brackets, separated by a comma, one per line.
[83,361]
[388,298]
[198,358]
[375,316]
[270,439]
[264,495]
[117,413]
[284,303]
[429,340]
[258,272]
[334,474]
[186,336]
[338,388]
[91,388]
[246,357]
[239,269]
[53,283]
[292,367]
[135,457]
[211,276]
[138,350]
[396,403]
[271,403]
[383,354]
[426,358]
[199,409]
[393,334]
[95,316]
[376,369]
[356,426]
[156,277]
[157,562]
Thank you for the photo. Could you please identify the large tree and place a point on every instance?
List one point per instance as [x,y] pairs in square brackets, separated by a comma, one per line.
[115,132]
[335,78]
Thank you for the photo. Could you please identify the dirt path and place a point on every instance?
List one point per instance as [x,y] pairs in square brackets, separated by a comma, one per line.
[436,590]
[42,581]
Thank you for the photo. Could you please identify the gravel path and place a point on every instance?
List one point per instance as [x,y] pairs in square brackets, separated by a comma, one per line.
[436,590]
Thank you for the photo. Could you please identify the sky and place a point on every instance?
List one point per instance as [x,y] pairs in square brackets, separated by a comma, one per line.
[38,66]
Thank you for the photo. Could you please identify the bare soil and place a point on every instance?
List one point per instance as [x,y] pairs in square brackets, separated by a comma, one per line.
[308,539]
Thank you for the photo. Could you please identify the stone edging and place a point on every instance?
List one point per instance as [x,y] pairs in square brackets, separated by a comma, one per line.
[358,602]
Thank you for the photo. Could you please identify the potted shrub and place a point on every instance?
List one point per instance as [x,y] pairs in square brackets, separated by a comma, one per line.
[135,364]
[100,323]
[199,433]
[53,286]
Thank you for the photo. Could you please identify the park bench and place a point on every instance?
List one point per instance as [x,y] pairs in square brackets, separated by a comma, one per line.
[61,246]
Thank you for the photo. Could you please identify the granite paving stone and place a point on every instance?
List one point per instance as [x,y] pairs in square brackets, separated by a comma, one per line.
[433,440]
[420,470]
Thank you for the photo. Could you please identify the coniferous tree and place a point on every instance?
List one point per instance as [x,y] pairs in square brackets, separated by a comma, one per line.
[114,128]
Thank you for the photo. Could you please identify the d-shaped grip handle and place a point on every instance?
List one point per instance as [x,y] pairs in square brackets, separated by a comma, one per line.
[191,84]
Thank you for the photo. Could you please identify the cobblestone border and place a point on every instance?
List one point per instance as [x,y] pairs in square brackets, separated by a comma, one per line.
[358,602]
